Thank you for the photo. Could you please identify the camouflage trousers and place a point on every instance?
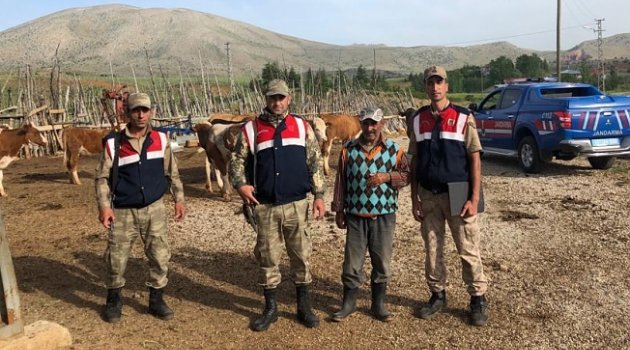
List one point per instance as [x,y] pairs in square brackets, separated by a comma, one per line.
[148,223]
[278,226]
[466,235]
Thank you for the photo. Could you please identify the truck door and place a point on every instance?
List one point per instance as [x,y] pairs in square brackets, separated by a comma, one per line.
[496,117]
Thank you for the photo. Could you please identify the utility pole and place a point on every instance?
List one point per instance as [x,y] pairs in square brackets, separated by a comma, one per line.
[601,75]
[558,43]
[374,72]
[229,65]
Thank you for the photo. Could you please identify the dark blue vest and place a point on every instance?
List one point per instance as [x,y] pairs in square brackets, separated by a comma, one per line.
[282,174]
[141,179]
[440,147]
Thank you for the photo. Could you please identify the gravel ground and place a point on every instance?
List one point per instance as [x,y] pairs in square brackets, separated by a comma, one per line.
[555,249]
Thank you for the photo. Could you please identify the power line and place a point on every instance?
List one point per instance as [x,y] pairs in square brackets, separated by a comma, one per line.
[512,36]
[570,10]
[586,11]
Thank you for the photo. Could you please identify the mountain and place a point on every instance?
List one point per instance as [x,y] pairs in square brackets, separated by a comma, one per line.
[614,47]
[92,38]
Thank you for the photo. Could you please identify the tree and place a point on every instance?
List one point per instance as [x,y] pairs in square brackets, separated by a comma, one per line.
[417,82]
[531,66]
[271,71]
[466,79]
[612,78]
[501,69]
[456,81]
[361,79]
[587,72]
[293,79]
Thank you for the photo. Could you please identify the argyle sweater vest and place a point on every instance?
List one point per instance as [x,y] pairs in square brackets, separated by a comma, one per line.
[362,199]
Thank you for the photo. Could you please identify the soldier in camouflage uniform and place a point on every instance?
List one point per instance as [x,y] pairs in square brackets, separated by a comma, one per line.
[275,164]
[448,150]
[371,170]
[133,206]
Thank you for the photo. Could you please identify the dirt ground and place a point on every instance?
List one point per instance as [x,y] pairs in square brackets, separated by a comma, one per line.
[555,249]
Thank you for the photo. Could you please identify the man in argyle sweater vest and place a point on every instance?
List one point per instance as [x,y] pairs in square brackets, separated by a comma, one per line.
[371,170]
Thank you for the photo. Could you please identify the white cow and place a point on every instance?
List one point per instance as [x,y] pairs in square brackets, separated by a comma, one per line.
[218,142]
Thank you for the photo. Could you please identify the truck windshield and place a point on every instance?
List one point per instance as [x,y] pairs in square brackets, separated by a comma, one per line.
[564,92]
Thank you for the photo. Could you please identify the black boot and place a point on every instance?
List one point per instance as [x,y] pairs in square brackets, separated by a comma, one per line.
[269,315]
[304,313]
[478,310]
[157,306]
[378,302]
[349,304]
[113,306]
[435,304]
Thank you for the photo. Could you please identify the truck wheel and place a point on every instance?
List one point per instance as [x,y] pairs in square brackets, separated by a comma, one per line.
[602,163]
[528,155]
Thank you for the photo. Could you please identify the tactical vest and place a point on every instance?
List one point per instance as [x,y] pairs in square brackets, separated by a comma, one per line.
[281,174]
[360,198]
[440,147]
[141,179]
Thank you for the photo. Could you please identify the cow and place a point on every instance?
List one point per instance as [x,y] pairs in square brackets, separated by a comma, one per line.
[319,128]
[10,143]
[80,140]
[409,113]
[218,141]
[344,127]
[226,118]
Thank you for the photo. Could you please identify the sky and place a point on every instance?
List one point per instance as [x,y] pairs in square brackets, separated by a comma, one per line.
[529,24]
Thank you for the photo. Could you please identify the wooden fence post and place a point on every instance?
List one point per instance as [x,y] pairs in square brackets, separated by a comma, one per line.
[11,322]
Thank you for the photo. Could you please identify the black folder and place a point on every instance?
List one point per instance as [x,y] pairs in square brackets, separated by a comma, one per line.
[458,194]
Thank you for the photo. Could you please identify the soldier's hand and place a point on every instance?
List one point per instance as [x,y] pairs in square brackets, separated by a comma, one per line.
[106,217]
[469,209]
[416,209]
[319,208]
[247,194]
[340,220]
[180,211]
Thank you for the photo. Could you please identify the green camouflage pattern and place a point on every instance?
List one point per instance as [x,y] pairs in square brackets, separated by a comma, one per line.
[148,223]
[279,227]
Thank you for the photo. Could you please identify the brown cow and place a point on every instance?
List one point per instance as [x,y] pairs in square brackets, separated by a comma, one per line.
[77,141]
[338,126]
[226,118]
[10,143]
[218,141]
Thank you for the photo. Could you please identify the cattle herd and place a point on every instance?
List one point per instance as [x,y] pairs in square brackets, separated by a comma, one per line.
[217,137]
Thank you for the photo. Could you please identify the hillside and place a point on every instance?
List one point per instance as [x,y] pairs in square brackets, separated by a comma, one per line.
[92,37]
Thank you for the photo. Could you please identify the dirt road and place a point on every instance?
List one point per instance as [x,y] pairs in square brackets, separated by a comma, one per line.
[555,248]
